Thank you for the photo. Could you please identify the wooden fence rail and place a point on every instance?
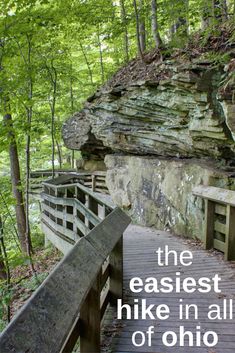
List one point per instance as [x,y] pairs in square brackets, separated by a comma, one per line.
[70,210]
[71,302]
[94,180]
[219,219]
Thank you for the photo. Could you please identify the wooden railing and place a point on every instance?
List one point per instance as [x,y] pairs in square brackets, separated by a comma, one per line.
[70,210]
[71,302]
[94,180]
[219,219]
[39,176]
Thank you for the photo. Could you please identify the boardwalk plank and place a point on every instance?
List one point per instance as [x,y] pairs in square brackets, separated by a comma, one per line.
[140,260]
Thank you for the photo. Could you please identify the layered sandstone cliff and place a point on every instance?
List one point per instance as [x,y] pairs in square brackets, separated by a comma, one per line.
[185,113]
[159,137]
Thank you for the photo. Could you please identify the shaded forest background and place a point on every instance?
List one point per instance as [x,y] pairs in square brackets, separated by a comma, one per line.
[53,55]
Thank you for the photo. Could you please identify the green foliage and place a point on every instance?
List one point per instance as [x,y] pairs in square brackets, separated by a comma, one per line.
[79,44]
[33,283]
[218,58]
[6,295]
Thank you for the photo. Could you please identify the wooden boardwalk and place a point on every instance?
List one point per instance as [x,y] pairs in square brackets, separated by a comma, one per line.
[140,260]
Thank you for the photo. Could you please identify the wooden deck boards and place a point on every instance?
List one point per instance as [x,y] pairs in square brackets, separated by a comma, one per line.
[140,260]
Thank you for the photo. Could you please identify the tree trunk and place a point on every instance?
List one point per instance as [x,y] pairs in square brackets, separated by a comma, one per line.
[224,7]
[142,29]
[125,33]
[5,274]
[72,160]
[52,103]
[71,94]
[101,55]
[155,31]
[206,14]
[225,10]
[138,29]
[15,235]
[181,25]
[28,143]
[59,154]
[87,63]
[28,235]
[3,269]
[53,140]
[220,10]
[16,184]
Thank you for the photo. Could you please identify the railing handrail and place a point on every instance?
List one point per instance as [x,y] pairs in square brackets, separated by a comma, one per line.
[45,321]
[95,180]
[215,194]
[68,171]
[49,171]
[81,187]
[219,226]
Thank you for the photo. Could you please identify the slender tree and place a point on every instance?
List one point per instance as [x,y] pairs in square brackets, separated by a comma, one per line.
[5,274]
[206,12]
[142,29]
[155,29]
[29,113]
[16,183]
[125,30]
[220,10]
[101,54]
[52,74]
[87,62]
[8,213]
[3,269]
[181,25]
[138,29]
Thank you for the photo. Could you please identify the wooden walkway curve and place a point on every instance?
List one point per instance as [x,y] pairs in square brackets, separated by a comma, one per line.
[68,310]
[140,260]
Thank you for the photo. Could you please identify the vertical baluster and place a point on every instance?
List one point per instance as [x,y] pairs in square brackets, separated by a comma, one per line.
[80,196]
[229,254]
[75,210]
[87,206]
[64,211]
[56,208]
[90,320]
[74,213]
[46,191]
[92,205]
[93,182]
[116,272]
[209,224]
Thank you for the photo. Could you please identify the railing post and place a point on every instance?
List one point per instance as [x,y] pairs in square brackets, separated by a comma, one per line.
[229,254]
[93,182]
[116,272]
[90,320]
[209,224]
[92,205]
[64,210]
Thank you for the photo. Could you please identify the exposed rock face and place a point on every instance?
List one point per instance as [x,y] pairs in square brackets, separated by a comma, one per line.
[180,116]
[77,135]
[166,134]
[158,192]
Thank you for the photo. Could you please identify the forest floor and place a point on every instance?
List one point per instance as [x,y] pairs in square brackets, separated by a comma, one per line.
[205,49]
[24,283]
